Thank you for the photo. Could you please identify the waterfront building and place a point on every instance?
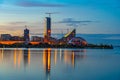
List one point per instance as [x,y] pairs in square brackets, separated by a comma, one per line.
[70,35]
[26,36]
[70,38]
[5,37]
[66,38]
[78,41]
[17,38]
[47,29]
[37,38]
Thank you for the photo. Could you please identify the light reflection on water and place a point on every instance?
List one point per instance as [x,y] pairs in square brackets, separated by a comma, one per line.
[53,64]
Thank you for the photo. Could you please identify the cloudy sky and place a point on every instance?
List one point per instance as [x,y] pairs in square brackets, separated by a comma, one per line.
[88,16]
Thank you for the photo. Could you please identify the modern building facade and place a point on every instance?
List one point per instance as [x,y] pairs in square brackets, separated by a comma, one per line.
[26,36]
[36,38]
[17,38]
[78,41]
[5,37]
[66,38]
[47,29]
[70,35]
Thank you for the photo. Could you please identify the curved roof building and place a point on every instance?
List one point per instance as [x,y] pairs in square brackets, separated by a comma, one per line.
[71,38]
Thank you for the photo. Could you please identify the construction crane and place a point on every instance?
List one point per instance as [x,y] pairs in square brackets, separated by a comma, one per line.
[25,26]
[49,13]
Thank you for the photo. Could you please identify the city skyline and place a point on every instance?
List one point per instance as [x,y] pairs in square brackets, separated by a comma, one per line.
[103,17]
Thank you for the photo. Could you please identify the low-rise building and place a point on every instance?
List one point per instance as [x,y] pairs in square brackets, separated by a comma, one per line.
[17,38]
[37,38]
[5,37]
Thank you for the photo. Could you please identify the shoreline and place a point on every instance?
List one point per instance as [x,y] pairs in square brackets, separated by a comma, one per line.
[65,46]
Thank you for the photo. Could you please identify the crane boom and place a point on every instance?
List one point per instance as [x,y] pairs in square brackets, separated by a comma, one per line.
[49,13]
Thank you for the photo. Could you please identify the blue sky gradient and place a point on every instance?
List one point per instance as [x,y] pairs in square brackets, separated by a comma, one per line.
[104,15]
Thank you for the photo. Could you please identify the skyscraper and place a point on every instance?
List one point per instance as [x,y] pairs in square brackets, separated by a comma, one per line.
[47,30]
[26,36]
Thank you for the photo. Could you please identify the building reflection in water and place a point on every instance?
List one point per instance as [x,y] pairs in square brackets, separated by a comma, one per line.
[49,57]
[26,57]
[20,55]
[1,54]
[55,56]
[47,61]
[17,57]
[70,56]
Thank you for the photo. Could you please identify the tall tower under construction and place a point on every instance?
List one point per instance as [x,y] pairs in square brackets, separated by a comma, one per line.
[47,29]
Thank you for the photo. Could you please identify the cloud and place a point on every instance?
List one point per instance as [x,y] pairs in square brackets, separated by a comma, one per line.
[18,23]
[71,20]
[37,4]
[74,23]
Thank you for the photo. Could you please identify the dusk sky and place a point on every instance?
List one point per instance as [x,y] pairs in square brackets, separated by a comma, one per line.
[90,16]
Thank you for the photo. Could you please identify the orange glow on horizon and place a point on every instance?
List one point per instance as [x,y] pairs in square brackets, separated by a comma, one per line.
[35,43]
[10,42]
[13,42]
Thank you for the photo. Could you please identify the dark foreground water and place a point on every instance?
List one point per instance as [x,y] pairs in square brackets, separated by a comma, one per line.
[60,64]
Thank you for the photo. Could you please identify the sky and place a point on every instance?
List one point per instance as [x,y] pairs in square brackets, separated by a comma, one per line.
[87,16]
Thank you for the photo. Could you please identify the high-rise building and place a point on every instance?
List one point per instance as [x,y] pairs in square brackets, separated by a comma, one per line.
[47,30]
[26,36]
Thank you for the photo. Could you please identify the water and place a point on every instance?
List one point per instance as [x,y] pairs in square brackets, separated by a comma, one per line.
[59,64]
[63,64]
[113,39]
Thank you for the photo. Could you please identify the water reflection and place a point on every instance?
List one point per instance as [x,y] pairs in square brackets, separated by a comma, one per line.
[17,57]
[25,58]
[47,61]
[70,57]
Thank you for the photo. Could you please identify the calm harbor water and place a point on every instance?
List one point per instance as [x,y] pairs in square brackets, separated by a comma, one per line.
[59,64]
